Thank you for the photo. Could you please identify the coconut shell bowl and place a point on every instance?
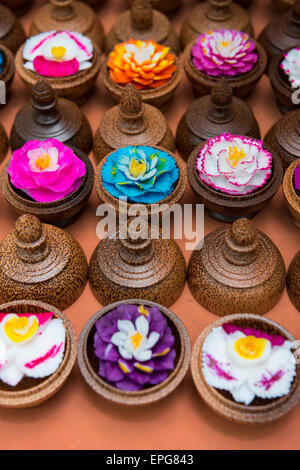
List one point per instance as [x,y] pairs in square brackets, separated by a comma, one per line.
[213,114]
[293,281]
[41,262]
[62,211]
[264,407]
[291,193]
[238,270]
[242,84]
[49,117]
[129,123]
[134,393]
[229,207]
[142,22]
[77,87]
[12,34]
[30,391]
[7,69]
[161,206]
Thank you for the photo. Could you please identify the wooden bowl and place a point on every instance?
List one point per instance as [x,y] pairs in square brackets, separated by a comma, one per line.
[62,212]
[292,200]
[226,207]
[12,34]
[242,85]
[124,207]
[88,362]
[30,392]
[8,72]
[77,88]
[293,281]
[159,97]
[280,84]
[227,407]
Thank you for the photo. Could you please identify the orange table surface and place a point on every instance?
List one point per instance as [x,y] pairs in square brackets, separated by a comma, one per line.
[76,418]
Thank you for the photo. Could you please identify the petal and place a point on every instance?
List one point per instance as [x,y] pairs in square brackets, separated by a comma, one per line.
[243,394]
[142,325]
[143,355]
[125,326]
[152,340]
[119,338]
[11,374]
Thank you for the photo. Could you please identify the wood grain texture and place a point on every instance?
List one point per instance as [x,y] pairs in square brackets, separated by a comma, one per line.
[12,34]
[293,281]
[291,198]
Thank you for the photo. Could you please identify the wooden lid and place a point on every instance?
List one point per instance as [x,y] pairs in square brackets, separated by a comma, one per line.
[239,269]
[228,408]
[31,392]
[293,281]
[88,363]
[42,262]
[7,21]
[292,199]
[286,134]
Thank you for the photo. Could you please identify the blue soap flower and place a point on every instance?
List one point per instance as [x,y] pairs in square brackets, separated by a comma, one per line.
[1,61]
[143,174]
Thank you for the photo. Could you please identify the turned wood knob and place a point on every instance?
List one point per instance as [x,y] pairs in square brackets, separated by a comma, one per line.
[241,243]
[136,249]
[221,100]
[219,10]
[31,245]
[44,100]
[131,111]
[63,9]
[141,14]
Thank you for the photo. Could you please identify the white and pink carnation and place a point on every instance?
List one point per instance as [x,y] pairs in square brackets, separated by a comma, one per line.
[291,66]
[232,164]
[58,53]
[248,363]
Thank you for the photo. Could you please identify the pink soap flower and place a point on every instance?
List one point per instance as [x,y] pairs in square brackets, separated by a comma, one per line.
[46,170]
[224,53]
[234,164]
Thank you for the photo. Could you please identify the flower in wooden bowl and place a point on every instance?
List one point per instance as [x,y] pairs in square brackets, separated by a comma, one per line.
[46,170]
[291,66]
[145,64]
[58,54]
[142,174]
[224,53]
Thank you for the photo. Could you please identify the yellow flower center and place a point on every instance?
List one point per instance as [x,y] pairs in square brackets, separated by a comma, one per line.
[137,168]
[19,329]
[136,339]
[58,52]
[250,347]
[43,162]
[235,155]
[224,43]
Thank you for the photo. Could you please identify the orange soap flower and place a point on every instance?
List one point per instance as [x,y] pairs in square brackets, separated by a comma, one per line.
[145,64]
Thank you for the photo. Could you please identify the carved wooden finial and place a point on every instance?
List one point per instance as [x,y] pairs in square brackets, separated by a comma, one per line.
[219,10]
[221,95]
[28,228]
[131,102]
[31,245]
[243,232]
[241,243]
[141,14]
[63,9]
[43,96]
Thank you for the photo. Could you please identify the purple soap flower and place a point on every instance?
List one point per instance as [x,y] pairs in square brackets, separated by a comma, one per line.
[297,177]
[224,52]
[134,347]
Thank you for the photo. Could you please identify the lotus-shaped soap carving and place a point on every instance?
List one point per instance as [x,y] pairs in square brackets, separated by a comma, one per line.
[134,345]
[224,53]
[233,164]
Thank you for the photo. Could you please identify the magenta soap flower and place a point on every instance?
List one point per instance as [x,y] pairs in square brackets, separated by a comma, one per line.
[297,178]
[234,164]
[224,53]
[46,170]
[134,345]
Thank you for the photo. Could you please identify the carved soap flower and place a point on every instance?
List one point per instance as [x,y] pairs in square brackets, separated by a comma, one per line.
[234,164]
[134,345]
[248,363]
[297,178]
[145,64]
[142,174]
[291,66]
[2,60]
[224,53]
[46,170]
[31,345]
[58,53]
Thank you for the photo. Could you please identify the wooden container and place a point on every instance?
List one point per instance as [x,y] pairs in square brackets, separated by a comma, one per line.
[282,32]
[77,88]
[168,7]
[159,97]
[283,138]
[291,198]
[3,143]
[141,22]
[88,362]
[8,71]
[141,268]
[163,205]
[30,392]
[228,207]
[60,15]
[281,85]
[238,270]
[41,262]
[241,86]
[293,281]
[214,14]
[49,117]
[61,212]
[12,34]
[131,123]
[227,407]
[19,7]
[212,115]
